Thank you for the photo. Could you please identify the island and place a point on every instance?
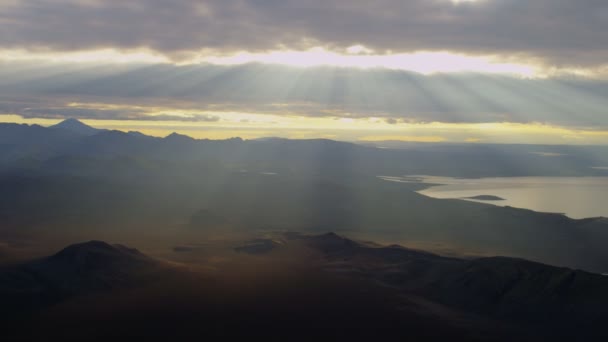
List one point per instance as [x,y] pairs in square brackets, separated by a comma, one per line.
[485,198]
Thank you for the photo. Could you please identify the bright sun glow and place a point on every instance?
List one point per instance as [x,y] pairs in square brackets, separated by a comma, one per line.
[356,56]
[94,56]
[464,1]
[360,57]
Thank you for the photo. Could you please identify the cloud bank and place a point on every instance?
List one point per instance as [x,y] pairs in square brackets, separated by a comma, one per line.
[555,32]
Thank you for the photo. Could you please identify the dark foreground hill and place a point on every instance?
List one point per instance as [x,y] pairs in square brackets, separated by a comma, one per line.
[84,268]
[499,287]
[304,288]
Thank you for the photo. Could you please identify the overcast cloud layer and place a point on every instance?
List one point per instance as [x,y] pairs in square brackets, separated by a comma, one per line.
[560,32]
[555,33]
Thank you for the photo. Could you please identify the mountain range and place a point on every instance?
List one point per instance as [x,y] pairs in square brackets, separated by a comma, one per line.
[73,138]
[215,223]
[70,184]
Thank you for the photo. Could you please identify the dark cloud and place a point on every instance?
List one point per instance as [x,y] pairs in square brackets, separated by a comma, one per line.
[559,31]
[182,118]
[55,109]
[191,93]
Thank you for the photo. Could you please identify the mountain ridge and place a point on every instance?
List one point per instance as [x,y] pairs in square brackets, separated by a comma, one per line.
[483,299]
[76,126]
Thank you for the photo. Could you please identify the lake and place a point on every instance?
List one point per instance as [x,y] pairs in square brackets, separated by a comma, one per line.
[576,197]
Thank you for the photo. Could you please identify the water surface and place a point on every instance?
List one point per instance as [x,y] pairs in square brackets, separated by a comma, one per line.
[576,197]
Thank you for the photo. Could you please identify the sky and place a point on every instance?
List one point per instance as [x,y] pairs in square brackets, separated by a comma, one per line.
[468,71]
